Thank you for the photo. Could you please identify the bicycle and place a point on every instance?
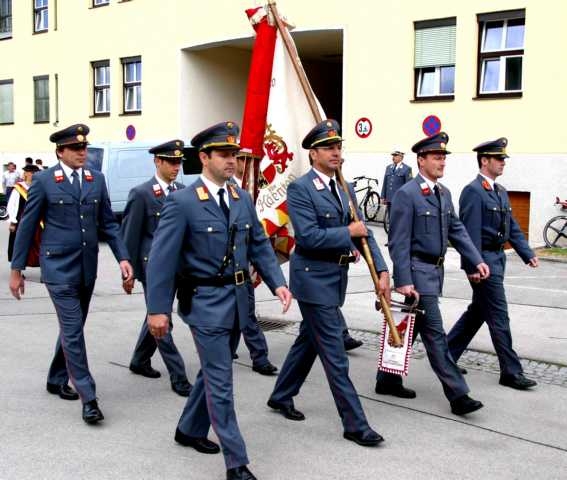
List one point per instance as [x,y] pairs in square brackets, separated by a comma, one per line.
[3,207]
[370,203]
[555,230]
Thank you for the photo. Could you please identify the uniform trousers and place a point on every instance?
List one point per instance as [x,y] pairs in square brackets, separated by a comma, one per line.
[211,402]
[488,305]
[70,360]
[430,327]
[320,334]
[147,345]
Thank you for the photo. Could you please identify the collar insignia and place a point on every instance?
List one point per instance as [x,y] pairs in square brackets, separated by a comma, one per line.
[319,185]
[88,175]
[158,192]
[233,191]
[58,176]
[486,185]
[202,193]
[425,190]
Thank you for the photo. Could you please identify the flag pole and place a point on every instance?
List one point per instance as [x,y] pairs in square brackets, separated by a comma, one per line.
[302,76]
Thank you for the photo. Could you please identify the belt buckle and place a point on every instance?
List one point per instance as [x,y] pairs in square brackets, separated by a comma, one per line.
[440,261]
[343,260]
[239,277]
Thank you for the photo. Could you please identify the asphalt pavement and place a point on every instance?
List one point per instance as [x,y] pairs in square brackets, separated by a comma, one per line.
[517,435]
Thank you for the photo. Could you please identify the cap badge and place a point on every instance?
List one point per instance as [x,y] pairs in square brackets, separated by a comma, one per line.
[442,146]
[58,176]
[80,138]
[233,192]
[202,193]
[329,124]
[79,129]
[332,133]
[229,124]
[177,144]
[158,192]
[318,183]
[177,153]
[231,139]
[425,190]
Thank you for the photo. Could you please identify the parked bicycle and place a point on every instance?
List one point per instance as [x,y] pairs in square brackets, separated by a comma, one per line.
[370,202]
[555,231]
[3,207]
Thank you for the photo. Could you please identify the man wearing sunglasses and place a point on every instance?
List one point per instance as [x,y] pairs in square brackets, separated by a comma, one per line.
[73,204]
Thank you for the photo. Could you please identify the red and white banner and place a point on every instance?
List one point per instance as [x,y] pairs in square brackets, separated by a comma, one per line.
[288,120]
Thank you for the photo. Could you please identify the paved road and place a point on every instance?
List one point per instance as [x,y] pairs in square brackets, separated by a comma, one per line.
[517,435]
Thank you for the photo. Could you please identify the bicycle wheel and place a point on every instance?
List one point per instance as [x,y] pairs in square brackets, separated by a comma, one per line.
[371,206]
[3,212]
[555,232]
[387,220]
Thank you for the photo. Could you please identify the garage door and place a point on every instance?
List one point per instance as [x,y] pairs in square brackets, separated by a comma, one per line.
[520,202]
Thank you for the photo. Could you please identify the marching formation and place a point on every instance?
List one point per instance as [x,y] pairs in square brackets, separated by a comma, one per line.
[199,242]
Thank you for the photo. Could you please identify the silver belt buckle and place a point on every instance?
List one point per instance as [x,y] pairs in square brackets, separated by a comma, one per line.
[239,278]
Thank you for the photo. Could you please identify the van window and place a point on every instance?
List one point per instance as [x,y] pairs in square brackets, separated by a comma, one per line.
[94,158]
[135,164]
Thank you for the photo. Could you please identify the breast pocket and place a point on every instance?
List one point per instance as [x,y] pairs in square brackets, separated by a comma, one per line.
[152,219]
[61,205]
[493,215]
[212,236]
[427,221]
[328,218]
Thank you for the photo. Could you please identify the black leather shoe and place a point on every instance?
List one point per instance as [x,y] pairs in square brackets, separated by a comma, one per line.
[64,391]
[182,387]
[463,371]
[144,370]
[351,343]
[239,473]
[518,381]
[288,411]
[368,438]
[464,405]
[268,369]
[201,444]
[394,389]
[91,412]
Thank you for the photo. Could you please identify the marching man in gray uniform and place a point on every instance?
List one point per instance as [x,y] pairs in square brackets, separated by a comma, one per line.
[326,240]
[209,233]
[74,206]
[422,222]
[141,218]
[396,175]
[484,208]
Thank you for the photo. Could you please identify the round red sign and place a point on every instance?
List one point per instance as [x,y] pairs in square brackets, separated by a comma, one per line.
[363,127]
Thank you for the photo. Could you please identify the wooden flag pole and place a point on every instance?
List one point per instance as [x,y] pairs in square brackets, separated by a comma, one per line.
[302,76]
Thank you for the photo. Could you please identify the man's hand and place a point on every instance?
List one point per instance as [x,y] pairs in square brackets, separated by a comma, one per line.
[408,291]
[384,286]
[285,297]
[126,270]
[12,227]
[474,277]
[356,254]
[533,262]
[483,270]
[128,286]
[158,324]
[17,284]
[357,229]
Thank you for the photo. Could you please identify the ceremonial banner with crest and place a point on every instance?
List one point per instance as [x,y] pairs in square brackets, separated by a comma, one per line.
[288,119]
[395,359]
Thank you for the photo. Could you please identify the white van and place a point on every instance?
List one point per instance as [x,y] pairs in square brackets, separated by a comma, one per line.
[126,165]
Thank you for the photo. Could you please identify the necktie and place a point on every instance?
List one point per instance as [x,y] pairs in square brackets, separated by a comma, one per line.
[76,184]
[334,192]
[171,188]
[437,194]
[222,203]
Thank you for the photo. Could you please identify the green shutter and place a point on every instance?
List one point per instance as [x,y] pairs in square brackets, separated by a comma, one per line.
[435,46]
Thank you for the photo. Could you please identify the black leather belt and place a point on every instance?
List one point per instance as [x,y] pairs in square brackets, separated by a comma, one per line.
[325,256]
[238,278]
[432,259]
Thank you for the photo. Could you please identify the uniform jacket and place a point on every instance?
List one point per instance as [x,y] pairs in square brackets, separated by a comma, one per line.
[419,224]
[192,236]
[141,218]
[320,224]
[394,179]
[73,227]
[487,216]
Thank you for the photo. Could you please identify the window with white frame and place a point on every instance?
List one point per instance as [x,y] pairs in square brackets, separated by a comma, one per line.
[5,18]
[501,53]
[101,82]
[41,15]
[132,75]
[6,101]
[98,3]
[434,60]
[41,98]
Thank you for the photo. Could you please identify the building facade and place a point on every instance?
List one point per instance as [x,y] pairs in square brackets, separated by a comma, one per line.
[390,71]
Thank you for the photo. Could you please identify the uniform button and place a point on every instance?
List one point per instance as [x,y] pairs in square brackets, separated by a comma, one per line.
[327,215]
[145,259]
[494,208]
[84,244]
[83,230]
[157,214]
[48,253]
[306,269]
[96,201]
[209,229]
[247,226]
[60,201]
[427,213]
[82,216]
